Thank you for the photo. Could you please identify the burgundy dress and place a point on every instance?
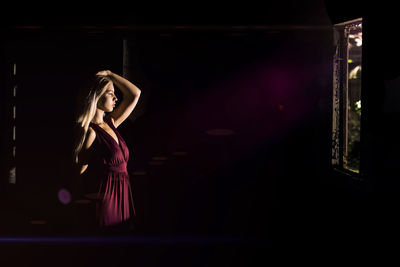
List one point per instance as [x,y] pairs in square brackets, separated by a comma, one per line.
[108,178]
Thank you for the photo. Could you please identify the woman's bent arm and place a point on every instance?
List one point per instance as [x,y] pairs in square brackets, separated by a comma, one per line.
[127,88]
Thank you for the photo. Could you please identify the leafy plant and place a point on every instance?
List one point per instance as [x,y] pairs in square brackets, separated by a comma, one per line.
[353,155]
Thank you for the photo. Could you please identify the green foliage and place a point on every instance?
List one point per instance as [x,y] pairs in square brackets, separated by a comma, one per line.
[353,156]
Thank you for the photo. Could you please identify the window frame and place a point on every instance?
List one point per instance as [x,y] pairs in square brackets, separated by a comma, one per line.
[340,99]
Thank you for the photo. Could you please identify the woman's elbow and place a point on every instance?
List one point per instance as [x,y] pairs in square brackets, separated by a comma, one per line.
[83,169]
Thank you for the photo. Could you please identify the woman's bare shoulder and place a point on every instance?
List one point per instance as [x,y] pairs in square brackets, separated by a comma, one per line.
[87,148]
[90,136]
[91,132]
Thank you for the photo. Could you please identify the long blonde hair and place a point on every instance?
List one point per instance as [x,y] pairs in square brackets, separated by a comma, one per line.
[87,104]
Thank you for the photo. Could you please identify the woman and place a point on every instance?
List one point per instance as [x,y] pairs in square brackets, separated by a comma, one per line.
[101,154]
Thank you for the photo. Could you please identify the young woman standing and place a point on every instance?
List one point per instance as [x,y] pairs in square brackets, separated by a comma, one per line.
[101,153]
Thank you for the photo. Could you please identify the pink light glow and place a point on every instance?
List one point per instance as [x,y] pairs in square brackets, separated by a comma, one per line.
[64,196]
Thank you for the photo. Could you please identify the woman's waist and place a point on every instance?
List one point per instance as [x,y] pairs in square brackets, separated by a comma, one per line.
[117,167]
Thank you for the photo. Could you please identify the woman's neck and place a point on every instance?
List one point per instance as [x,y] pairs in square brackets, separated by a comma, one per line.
[98,117]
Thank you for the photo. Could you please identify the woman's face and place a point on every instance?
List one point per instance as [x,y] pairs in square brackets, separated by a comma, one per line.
[108,100]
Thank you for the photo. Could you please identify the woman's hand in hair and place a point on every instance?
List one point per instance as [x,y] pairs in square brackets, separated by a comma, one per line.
[103,73]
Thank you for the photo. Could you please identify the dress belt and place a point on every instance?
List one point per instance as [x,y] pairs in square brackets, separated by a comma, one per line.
[118,168]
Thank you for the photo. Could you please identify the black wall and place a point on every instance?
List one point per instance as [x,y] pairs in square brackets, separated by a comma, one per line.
[272,86]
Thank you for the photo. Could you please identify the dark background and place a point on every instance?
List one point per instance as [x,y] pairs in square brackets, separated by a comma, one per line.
[270,183]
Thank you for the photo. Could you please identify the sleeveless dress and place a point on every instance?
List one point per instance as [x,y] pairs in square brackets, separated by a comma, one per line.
[108,181]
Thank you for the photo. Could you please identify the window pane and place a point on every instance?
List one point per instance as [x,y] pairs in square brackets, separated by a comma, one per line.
[353,103]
